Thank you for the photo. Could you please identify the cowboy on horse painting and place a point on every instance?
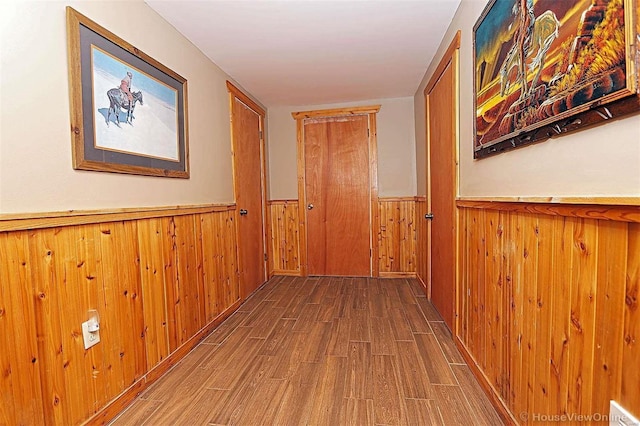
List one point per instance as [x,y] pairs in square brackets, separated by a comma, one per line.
[122,98]
[125,85]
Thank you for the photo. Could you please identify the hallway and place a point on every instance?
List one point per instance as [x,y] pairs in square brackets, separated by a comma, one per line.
[321,351]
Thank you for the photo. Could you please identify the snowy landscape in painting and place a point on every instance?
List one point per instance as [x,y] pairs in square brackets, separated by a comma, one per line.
[153,131]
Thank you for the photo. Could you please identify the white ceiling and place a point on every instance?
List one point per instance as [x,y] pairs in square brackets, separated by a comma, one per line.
[304,52]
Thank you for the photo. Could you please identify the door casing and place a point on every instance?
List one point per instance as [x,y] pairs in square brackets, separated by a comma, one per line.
[235,93]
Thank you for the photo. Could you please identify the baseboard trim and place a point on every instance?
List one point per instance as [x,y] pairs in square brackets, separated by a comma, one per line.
[117,405]
[285,272]
[495,400]
[422,283]
[397,275]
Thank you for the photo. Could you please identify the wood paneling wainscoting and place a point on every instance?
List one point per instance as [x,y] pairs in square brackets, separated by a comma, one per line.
[548,310]
[284,244]
[395,238]
[422,245]
[161,280]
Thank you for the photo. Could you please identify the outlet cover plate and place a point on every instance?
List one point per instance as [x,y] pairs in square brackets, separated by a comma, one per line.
[90,338]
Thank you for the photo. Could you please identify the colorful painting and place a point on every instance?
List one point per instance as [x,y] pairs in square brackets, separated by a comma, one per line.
[540,61]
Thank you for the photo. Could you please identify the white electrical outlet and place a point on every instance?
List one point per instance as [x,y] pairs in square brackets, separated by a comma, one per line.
[618,416]
[90,337]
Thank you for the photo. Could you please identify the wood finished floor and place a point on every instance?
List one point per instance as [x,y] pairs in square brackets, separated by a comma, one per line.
[321,351]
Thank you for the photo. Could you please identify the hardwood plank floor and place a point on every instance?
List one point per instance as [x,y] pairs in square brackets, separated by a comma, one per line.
[321,351]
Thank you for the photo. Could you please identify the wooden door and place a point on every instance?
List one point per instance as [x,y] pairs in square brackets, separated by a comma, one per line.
[338,196]
[442,140]
[248,173]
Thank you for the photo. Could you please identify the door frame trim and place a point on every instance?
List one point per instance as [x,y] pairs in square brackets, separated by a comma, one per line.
[300,118]
[450,56]
[236,93]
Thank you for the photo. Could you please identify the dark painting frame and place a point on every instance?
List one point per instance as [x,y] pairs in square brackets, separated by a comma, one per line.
[153,139]
[574,75]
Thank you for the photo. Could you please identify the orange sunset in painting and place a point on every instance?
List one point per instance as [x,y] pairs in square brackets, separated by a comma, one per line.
[537,61]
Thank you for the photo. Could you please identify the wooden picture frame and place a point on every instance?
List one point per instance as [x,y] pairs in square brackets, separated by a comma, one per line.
[128,111]
[579,69]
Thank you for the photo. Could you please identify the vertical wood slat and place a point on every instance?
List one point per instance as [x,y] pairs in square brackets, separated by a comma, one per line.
[544,306]
[529,257]
[211,285]
[229,249]
[187,280]
[153,281]
[463,301]
[493,293]
[477,284]
[613,246]
[483,302]
[172,298]
[44,282]
[8,360]
[120,307]
[20,382]
[560,316]
[78,292]
[128,270]
[516,286]
[285,242]
[569,293]
[502,293]
[396,236]
[421,239]
[219,264]
[630,393]
[583,304]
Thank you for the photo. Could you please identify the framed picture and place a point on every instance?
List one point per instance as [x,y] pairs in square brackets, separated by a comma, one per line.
[128,111]
[539,64]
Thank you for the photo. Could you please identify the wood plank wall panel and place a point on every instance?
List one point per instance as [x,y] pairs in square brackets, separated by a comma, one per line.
[120,306]
[20,380]
[396,237]
[152,277]
[220,263]
[422,270]
[543,314]
[156,282]
[42,284]
[630,393]
[285,241]
[188,279]
[549,309]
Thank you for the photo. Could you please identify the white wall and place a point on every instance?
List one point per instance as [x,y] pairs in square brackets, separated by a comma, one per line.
[35,142]
[396,148]
[602,161]
[282,146]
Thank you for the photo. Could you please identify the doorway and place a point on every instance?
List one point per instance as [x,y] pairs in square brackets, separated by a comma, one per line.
[441,97]
[337,191]
[247,150]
